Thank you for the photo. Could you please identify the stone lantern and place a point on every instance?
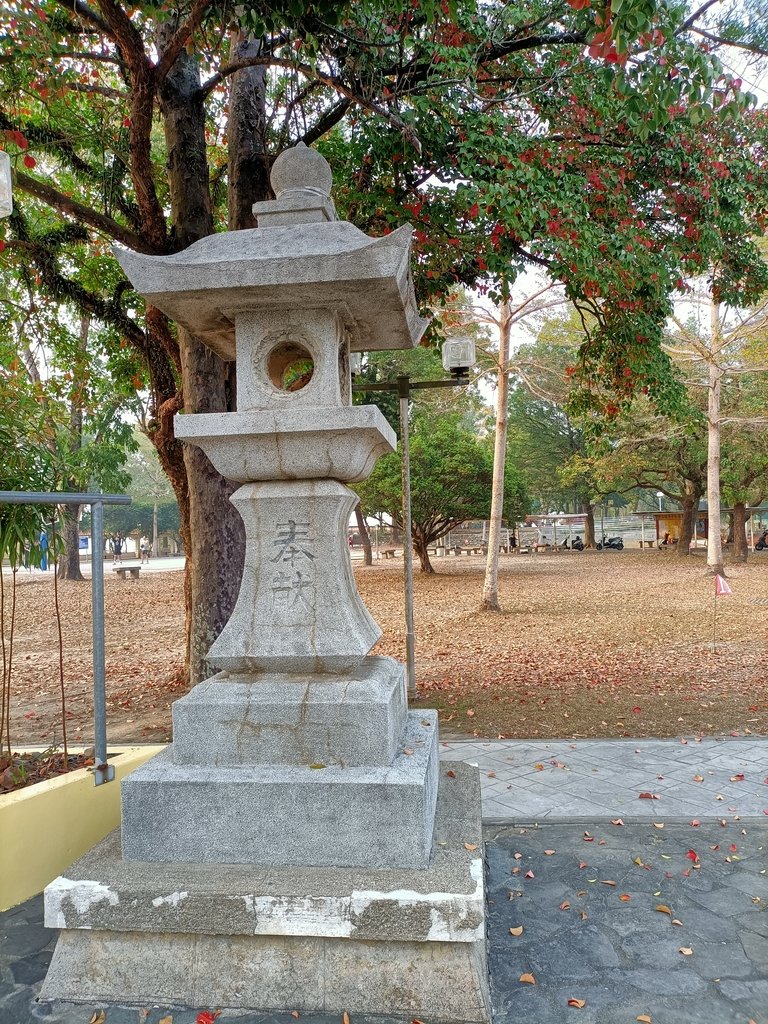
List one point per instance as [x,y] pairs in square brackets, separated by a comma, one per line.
[298,830]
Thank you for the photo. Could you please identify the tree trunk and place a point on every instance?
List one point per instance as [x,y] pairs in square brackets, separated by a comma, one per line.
[490,600]
[214,553]
[155,537]
[589,528]
[420,547]
[68,567]
[740,517]
[248,171]
[365,537]
[714,539]
[690,506]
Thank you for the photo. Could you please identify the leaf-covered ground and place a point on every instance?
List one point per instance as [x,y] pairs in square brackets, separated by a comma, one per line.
[589,644]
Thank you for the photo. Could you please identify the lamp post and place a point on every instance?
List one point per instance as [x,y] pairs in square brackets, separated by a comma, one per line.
[660,496]
[458,356]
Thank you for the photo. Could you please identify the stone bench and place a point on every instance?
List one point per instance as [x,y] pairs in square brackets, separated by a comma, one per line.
[647,543]
[123,571]
[388,553]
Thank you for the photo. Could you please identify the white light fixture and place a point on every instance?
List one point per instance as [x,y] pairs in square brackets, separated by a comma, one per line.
[458,355]
[6,197]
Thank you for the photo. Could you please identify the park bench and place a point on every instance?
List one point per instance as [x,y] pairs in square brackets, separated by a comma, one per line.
[123,571]
[388,553]
[469,549]
[647,543]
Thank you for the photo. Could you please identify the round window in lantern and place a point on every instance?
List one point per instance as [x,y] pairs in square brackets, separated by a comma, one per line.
[290,366]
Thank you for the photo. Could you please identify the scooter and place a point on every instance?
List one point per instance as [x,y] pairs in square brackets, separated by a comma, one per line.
[615,543]
[762,542]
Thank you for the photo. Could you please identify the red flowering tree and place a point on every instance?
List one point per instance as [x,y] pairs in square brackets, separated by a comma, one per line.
[564,135]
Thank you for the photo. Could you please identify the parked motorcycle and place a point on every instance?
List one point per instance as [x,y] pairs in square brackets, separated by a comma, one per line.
[615,543]
[762,543]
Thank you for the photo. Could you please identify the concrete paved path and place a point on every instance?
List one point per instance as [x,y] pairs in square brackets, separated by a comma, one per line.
[562,821]
[561,780]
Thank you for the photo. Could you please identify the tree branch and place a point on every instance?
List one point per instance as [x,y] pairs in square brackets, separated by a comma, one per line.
[98,221]
[85,12]
[689,22]
[309,72]
[179,40]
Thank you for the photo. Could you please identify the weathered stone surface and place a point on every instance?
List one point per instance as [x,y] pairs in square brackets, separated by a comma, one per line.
[301,265]
[287,814]
[361,941]
[442,902]
[355,719]
[441,979]
[298,609]
[303,444]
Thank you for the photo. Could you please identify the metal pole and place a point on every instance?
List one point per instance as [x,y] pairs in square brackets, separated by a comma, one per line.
[103,772]
[404,391]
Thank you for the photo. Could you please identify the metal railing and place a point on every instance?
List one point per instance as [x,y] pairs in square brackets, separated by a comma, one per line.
[102,772]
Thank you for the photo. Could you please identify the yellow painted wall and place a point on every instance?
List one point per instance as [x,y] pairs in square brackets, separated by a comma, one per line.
[45,827]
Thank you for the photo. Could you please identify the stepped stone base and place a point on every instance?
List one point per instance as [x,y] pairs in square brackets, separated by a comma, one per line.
[293,719]
[308,939]
[372,816]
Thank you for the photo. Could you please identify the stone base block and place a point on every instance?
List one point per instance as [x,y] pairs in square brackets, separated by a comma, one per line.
[264,938]
[379,816]
[355,719]
[438,980]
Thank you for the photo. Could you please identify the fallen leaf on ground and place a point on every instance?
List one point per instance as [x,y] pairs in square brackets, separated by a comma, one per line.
[658,824]
[98,1018]
[208,1016]
[625,897]
[578,1003]
[516,931]
[617,821]
[675,921]
[539,767]
[648,796]
[644,1018]
[548,853]
[345,1018]
[692,855]
[565,905]
[529,874]
[517,856]
[607,881]
[686,951]
[583,864]
[166,1020]
[664,909]
[695,823]
[738,778]
[698,778]
[527,979]
[294,1013]
[470,846]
